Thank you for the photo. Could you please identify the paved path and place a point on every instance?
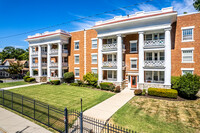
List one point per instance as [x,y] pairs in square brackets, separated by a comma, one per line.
[12,123]
[107,108]
[20,86]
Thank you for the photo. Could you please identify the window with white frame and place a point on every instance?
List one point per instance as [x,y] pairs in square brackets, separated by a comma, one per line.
[94,58]
[187,55]
[76,72]
[154,36]
[111,40]
[148,56]
[162,56]
[94,43]
[94,70]
[112,74]
[76,59]
[133,46]
[76,45]
[34,60]
[187,70]
[133,63]
[187,33]
[44,72]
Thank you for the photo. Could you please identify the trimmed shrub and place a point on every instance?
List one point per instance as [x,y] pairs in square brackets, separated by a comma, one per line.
[187,85]
[144,92]
[80,82]
[74,84]
[138,92]
[30,79]
[55,82]
[28,73]
[170,93]
[25,78]
[107,86]
[91,79]
[117,89]
[174,80]
[69,77]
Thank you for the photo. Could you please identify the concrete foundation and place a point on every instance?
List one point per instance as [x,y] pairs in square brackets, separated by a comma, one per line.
[153,85]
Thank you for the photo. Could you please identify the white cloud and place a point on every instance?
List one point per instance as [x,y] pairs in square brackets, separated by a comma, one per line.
[147,7]
[83,25]
[183,6]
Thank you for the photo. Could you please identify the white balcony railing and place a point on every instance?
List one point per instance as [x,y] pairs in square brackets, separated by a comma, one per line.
[109,47]
[149,43]
[64,64]
[44,64]
[65,51]
[35,53]
[44,53]
[53,64]
[154,63]
[35,65]
[110,64]
[54,51]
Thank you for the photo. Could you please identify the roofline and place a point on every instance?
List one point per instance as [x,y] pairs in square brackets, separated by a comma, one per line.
[46,35]
[133,18]
[191,13]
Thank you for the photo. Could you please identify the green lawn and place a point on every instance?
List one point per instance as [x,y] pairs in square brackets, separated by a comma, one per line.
[159,116]
[10,84]
[63,95]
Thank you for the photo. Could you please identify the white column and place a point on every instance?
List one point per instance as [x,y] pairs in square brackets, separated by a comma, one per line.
[119,58]
[30,61]
[39,61]
[48,60]
[59,60]
[141,57]
[167,56]
[100,58]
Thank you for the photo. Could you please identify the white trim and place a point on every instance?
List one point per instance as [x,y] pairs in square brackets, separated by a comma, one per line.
[91,58]
[133,41]
[192,69]
[93,53]
[192,48]
[74,58]
[78,44]
[94,38]
[77,68]
[85,50]
[186,49]
[94,68]
[188,14]
[185,28]
[189,27]
[77,41]
[136,63]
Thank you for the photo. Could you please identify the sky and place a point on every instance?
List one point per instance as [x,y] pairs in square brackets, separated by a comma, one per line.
[19,16]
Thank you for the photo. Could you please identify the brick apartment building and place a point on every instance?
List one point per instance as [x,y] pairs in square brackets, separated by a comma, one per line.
[137,51]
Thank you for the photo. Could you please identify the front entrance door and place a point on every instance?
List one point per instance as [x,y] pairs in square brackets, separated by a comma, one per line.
[133,81]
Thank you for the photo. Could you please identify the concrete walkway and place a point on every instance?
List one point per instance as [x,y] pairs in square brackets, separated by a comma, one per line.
[107,108]
[20,86]
[12,123]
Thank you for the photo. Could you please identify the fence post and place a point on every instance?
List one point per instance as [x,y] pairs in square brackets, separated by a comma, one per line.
[48,116]
[81,119]
[3,97]
[107,128]
[66,120]
[12,100]
[34,109]
[22,104]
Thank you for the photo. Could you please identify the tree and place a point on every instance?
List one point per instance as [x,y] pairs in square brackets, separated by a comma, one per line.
[196,4]
[15,68]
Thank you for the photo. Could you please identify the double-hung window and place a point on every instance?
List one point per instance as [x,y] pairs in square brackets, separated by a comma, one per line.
[187,55]
[94,43]
[94,58]
[76,59]
[187,70]
[76,72]
[76,45]
[133,63]
[133,46]
[94,70]
[187,34]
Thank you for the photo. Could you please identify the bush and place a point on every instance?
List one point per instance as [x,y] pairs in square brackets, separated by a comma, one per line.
[69,77]
[30,79]
[144,92]
[91,79]
[117,89]
[187,85]
[138,92]
[74,84]
[25,78]
[80,82]
[55,82]
[174,80]
[28,73]
[107,86]
[170,93]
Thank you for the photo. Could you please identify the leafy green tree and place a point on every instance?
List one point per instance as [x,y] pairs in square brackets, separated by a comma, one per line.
[196,4]
[15,68]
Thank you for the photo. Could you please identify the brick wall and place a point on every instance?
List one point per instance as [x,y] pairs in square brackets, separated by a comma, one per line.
[186,21]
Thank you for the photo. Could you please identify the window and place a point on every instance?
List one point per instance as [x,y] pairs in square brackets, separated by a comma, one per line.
[148,75]
[76,45]
[76,72]
[133,46]
[162,56]
[148,56]
[187,70]
[76,59]
[44,72]
[133,63]
[111,40]
[187,55]
[94,70]
[155,76]
[154,36]
[148,37]
[112,75]
[162,75]
[94,43]
[109,74]
[34,60]
[44,49]
[109,57]
[94,58]
[187,33]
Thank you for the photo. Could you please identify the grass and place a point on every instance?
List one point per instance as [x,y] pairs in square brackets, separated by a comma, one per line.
[154,115]
[10,84]
[62,96]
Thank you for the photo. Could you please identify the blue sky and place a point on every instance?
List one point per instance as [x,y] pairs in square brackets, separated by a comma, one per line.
[18,16]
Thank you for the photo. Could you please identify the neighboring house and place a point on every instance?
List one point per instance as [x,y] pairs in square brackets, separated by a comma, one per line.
[6,64]
[137,51]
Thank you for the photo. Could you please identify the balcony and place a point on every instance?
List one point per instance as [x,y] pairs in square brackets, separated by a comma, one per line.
[54,51]
[111,64]
[65,64]
[154,64]
[65,51]
[44,64]
[44,53]
[154,43]
[53,64]
[35,53]
[111,47]
[35,65]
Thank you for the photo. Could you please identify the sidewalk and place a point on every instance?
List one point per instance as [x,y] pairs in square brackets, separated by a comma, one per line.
[107,108]
[20,86]
[12,123]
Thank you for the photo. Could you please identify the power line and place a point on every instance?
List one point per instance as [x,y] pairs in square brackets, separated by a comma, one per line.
[81,18]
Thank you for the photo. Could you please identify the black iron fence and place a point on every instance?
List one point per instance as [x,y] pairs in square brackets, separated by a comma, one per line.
[68,121]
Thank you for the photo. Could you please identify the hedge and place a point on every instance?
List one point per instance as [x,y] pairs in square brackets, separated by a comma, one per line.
[30,79]
[170,93]
[107,86]
[74,84]
[69,77]
[55,82]
[138,92]
[25,78]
